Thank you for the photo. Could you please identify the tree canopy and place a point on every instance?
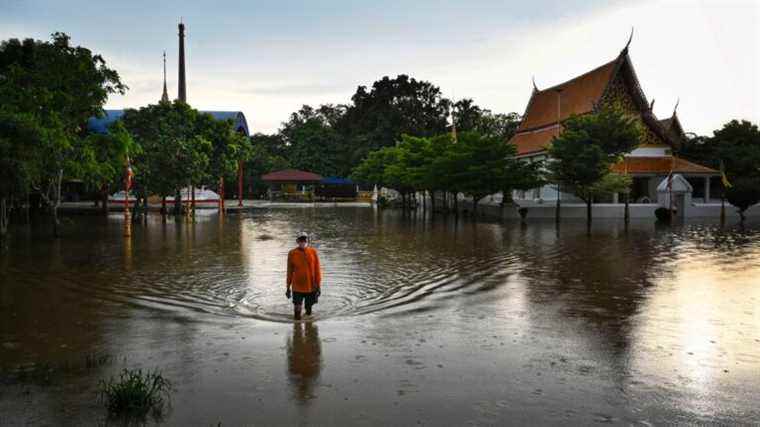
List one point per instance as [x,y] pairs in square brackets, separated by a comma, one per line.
[586,149]
[182,146]
[48,91]
[475,165]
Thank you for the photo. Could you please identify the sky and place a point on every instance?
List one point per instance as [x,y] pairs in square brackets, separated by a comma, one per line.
[268,58]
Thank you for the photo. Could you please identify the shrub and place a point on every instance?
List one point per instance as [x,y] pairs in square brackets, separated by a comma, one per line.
[523,213]
[663,214]
[135,394]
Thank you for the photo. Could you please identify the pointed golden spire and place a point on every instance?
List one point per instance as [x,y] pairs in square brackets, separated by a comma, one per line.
[625,49]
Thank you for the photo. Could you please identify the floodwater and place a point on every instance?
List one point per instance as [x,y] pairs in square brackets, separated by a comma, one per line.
[432,322]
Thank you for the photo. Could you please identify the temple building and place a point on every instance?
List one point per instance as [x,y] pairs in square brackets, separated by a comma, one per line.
[613,83]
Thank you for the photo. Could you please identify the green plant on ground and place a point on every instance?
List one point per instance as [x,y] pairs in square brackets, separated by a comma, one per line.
[135,394]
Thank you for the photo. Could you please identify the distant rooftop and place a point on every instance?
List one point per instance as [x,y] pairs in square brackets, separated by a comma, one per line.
[100,124]
[291,175]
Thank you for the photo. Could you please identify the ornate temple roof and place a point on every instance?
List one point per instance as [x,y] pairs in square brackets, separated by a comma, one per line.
[578,96]
[100,124]
[581,95]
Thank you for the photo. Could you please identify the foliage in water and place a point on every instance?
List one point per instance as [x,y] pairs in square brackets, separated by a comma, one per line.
[136,394]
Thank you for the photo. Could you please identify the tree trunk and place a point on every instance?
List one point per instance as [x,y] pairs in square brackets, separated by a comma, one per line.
[432,202]
[163,205]
[104,199]
[56,202]
[741,216]
[588,212]
[4,217]
[474,206]
[178,202]
[145,205]
[28,208]
[192,189]
[455,196]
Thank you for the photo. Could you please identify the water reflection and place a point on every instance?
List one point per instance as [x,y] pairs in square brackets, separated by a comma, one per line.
[304,359]
[622,313]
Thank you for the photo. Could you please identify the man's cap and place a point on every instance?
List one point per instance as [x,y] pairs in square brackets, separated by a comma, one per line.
[302,235]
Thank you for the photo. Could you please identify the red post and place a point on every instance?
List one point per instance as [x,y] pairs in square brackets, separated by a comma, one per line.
[127,185]
[240,183]
[221,194]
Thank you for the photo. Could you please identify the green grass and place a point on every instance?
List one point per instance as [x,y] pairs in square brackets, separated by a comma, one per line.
[135,394]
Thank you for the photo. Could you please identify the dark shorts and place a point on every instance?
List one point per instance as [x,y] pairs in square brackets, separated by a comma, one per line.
[309,297]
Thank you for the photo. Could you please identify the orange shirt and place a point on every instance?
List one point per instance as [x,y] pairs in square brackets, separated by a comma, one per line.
[304,274]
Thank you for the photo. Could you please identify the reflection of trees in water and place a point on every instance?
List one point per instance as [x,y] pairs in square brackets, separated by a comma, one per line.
[601,280]
[304,359]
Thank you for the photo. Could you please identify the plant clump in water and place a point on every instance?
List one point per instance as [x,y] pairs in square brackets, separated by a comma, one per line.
[135,394]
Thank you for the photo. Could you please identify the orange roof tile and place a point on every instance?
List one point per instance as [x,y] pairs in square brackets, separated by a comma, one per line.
[578,97]
[660,165]
[290,175]
[533,141]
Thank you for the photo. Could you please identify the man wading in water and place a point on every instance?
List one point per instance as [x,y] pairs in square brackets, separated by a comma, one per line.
[304,276]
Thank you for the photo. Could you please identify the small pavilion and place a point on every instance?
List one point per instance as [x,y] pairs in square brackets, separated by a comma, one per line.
[291,184]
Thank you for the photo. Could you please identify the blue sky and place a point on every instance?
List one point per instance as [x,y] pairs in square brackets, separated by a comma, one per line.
[269,58]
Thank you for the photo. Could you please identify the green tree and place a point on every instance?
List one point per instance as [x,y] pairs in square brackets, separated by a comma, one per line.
[371,171]
[588,146]
[264,157]
[176,147]
[737,145]
[229,148]
[312,141]
[744,193]
[17,131]
[392,107]
[55,88]
[483,165]
[470,117]
[106,160]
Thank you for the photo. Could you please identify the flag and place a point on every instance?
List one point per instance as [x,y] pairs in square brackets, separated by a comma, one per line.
[453,126]
[130,174]
[723,176]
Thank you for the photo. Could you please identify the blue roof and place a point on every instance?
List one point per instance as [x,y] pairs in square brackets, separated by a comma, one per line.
[336,180]
[100,124]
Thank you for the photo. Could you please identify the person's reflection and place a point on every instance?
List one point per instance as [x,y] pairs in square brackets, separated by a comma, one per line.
[304,359]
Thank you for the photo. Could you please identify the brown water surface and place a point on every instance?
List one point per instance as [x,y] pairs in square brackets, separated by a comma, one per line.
[437,321]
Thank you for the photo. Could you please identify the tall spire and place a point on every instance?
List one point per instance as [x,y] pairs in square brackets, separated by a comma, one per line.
[182,89]
[165,95]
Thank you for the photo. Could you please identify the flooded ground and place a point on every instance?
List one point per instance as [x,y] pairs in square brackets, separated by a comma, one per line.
[420,322]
